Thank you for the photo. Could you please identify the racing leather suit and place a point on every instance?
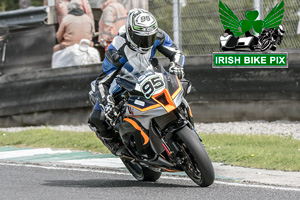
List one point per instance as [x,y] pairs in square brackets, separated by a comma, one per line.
[117,54]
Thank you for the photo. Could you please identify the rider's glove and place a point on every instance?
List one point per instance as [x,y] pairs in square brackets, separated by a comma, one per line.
[176,69]
[109,108]
[109,111]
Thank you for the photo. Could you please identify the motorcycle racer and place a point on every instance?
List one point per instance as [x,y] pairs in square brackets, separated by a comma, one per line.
[272,36]
[140,41]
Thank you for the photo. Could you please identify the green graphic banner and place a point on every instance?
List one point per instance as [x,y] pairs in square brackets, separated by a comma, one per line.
[250,60]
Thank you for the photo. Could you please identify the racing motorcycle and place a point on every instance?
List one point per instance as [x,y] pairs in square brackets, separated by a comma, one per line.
[155,124]
[270,37]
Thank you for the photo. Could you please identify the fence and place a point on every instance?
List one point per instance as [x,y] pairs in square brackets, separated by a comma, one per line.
[201,26]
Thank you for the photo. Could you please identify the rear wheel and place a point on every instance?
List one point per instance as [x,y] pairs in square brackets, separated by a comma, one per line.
[140,172]
[197,164]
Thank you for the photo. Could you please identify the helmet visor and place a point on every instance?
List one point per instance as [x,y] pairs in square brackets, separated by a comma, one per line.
[143,41]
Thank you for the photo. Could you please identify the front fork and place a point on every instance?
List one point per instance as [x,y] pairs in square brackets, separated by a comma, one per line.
[169,142]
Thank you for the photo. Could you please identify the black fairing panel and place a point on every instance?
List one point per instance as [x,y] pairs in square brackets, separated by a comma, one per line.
[171,82]
[129,134]
[134,141]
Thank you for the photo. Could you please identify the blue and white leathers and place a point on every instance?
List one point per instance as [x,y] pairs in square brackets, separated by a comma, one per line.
[119,52]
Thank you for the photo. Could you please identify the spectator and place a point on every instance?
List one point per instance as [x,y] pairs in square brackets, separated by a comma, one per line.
[62,11]
[74,27]
[112,19]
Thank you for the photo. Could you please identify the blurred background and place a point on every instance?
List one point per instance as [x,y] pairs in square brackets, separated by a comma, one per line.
[31,93]
[197,22]
[201,27]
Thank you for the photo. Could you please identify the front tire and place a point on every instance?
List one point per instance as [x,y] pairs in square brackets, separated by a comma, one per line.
[197,165]
[140,172]
[265,45]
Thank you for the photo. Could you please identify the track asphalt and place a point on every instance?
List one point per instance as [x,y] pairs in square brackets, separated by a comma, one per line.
[85,159]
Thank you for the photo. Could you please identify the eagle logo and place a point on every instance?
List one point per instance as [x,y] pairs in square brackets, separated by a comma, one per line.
[270,30]
[239,27]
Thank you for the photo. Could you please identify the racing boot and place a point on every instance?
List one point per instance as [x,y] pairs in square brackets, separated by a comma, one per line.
[114,144]
[106,133]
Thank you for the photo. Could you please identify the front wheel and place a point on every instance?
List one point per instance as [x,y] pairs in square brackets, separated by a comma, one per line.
[265,45]
[197,164]
[140,172]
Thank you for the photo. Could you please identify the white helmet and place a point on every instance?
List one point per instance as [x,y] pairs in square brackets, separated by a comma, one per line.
[141,28]
[281,30]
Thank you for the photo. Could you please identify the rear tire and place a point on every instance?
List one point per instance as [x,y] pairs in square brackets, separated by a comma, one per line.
[140,172]
[198,165]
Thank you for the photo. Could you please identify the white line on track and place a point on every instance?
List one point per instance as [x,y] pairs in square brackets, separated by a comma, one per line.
[163,177]
[258,186]
[30,152]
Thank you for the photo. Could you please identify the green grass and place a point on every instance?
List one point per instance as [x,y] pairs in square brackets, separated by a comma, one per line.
[257,151]
[54,139]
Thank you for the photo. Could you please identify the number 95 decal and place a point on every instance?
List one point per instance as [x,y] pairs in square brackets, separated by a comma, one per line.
[151,85]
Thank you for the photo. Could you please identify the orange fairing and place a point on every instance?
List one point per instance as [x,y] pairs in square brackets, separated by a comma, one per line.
[147,108]
[137,127]
[165,100]
[170,170]
[169,107]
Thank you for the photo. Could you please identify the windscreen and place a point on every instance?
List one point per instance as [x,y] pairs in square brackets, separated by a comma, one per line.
[133,70]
